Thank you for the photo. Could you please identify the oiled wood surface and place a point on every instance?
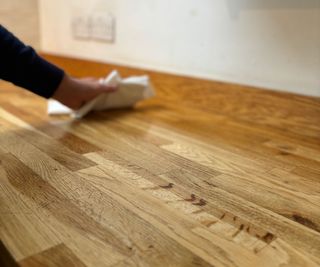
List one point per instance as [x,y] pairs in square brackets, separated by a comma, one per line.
[205,174]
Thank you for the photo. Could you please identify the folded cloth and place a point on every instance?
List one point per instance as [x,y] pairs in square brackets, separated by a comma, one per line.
[130,91]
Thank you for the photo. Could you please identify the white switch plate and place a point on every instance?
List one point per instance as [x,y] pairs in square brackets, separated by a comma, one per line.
[81,27]
[102,27]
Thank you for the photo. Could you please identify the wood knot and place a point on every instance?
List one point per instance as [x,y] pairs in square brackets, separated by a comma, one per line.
[201,202]
[268,237]
[192,198]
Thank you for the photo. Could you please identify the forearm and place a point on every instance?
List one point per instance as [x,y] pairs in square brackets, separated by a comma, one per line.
[21,65]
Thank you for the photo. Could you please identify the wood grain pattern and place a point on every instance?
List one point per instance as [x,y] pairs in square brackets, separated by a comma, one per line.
[59,255]
[205,174]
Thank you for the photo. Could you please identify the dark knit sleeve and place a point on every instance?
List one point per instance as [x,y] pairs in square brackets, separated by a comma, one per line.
[21,65]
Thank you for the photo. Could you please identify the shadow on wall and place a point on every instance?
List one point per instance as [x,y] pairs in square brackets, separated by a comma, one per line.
[236,6]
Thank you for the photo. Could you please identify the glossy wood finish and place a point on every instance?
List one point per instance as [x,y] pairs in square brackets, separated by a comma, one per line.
[205,174]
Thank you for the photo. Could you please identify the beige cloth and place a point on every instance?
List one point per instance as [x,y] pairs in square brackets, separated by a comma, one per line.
[130,91]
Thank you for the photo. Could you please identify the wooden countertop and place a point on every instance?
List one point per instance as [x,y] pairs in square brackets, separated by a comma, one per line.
[205,174]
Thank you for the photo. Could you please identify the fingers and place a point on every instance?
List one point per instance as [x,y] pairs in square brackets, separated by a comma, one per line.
[107,88]
[88,79]
[74,92]
[98,85]
[92,90]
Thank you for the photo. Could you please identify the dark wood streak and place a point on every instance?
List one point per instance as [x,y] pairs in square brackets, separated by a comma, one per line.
[306,222]
[170,185]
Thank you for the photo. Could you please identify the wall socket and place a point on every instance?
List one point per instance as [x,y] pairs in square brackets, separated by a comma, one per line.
[81,27]
[102,27]
[98,26]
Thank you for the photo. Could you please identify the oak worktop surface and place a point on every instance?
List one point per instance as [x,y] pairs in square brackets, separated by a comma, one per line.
[204,174]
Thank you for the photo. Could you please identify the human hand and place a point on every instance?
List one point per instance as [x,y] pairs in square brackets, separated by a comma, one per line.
[74,93]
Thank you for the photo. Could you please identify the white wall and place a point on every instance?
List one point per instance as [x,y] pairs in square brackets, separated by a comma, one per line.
[21,18]
[267,43]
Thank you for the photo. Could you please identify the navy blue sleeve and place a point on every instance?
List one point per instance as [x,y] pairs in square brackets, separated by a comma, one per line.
[21,65]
